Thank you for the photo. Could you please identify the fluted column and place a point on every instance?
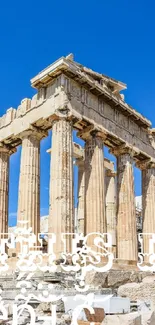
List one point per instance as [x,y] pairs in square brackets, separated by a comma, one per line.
[4,189]
[81,195]
[29,182]
[94,186]
[148,202]
[61,183]
[111,206]
[126,211]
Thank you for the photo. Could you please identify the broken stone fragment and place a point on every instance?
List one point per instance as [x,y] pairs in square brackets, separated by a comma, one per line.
[128,319]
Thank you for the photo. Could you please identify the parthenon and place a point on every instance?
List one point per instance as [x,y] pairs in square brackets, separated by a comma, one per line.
[72,97]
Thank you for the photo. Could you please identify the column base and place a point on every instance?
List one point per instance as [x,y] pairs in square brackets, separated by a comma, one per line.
[124,264]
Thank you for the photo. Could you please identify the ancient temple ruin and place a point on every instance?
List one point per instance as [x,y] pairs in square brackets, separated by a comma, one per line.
[71,96]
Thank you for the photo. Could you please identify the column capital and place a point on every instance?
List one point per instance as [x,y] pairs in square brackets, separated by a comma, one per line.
[86,132]
[34,131]
[101,135]
[64,111]
[7,149]
[110,173]
[59,117]
[146,164]
[79,162]
[92,132]
[56,119]
[152,131]
[123,149]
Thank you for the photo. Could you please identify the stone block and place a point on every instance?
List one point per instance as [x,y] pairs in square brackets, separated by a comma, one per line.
[34,101]
[10,115]
[137,291]
[112,279]
[116,278]
[41,95]
[46,306]
[23,107]
[149,279]
[26,104]
[19,111]
[2,121]
[8,285]
[148,318]
[128,319]
[97,279]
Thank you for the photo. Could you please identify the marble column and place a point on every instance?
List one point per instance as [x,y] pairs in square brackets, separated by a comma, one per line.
[61,184]
[126,211]
[94,187]
[148,202]
[4,189]
[29,182]
[110,180]
[81,195]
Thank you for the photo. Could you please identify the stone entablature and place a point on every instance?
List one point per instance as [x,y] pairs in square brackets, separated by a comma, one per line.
[86,102]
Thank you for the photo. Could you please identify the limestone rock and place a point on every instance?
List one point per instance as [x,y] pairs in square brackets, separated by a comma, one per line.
[149,279]
[46,306]
[142,275]
[148,318]
[97,279]
[128,319]
[112,279]
[137,291]
[66,318]
[117,278]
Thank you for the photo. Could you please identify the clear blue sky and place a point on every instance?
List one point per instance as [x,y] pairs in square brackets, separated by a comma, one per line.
[112,37]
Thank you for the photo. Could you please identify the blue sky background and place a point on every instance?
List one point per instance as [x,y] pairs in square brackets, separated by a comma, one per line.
[112,37]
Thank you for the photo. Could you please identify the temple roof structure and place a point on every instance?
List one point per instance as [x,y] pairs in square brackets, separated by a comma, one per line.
[99,84]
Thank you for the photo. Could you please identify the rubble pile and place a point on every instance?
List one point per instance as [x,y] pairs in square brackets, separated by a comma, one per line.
[137,287]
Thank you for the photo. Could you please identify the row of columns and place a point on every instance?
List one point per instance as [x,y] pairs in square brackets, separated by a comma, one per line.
[92,192]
